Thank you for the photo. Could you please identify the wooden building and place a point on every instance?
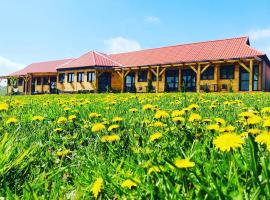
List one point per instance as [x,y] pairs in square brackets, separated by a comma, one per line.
[212,66]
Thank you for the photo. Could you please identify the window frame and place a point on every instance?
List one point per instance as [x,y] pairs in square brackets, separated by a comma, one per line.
[38,80]
[91,76]
[227,69]
[142,76]
[20,82]
[61,77]
[70,77]
[80,77]
[253,77]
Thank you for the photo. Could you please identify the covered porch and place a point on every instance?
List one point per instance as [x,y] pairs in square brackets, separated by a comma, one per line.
[210,76]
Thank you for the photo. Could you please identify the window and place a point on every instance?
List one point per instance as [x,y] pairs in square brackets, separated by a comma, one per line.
[208,74]
[61,78]
[244,79]
[80,76]
[142,76]
[20,82]
[45,81]
[255,78]
[227,72]
[90,76]
[38,80]
[70,77]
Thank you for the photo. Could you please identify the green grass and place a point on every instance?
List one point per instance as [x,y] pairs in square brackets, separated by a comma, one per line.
[31,168]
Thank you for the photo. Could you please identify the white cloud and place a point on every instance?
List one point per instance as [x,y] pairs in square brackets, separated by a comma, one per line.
[259,34]
[7,66]
[152,19]
[121,44]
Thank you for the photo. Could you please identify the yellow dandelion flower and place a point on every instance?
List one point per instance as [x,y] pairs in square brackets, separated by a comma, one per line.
[266,123]
[57,130]
[67,109]
[265,110]
[246,115]
[177,113]
[62,120]
[157,124]
[98,127]
[113,127]
[220,121]
[37,118]
[11,120]
[194,117]
[156,169]
[254,120]
[97,186]
[110,138]
[94,115]
[155,136]
[178,120]
[161,114]
[183,163]
[148,107]
[117,119]
[128,184]
[72,118]
[133,110]
[254,131]
[64,153]
[228,141]
[263,138]
[229,128]
[212,127]
[3,107]
[193,107]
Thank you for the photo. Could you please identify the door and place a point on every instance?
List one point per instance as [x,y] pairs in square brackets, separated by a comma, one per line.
[243,79]
[188,80]
[104,82]
[130,82]
[53,85]
[171,80]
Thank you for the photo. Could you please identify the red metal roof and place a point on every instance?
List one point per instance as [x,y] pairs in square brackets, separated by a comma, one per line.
[194,52]
[40,67]
[91,58]
[201,51]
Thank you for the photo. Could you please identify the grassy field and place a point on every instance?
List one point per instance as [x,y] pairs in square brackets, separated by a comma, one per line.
[135,146]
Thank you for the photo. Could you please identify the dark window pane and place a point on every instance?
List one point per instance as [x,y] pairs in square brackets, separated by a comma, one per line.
[90,76]
[38,80]
[208,74]
[80,77]
[226,72]
[45,81]
[61,78]
[70,77]
[142,76]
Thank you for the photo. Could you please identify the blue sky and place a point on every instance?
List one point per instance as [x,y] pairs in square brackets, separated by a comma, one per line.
[35,30]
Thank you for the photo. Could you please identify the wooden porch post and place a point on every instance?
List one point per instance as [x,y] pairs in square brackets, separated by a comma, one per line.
[250,75]
[180,79]
[157,87]
[260,77]
[123,81]
[96,81]
[30,81]
[198,78]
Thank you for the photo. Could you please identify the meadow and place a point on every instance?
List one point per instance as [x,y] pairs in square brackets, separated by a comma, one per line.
[135,146]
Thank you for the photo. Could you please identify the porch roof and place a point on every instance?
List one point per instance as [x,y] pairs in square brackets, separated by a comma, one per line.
[233,48]
[40,67]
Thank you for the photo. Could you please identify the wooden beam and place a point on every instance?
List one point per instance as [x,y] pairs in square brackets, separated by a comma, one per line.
[120,73]
[161,72]
[127,72]
[153,71]
[193,68]
[96,81]
[251,75]
[244,66]
[205,68]
[157,81]
[198,78]
[179,79]
[260,77]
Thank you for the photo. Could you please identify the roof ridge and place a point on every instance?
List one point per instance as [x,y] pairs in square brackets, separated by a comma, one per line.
[180,45]
[107,57]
